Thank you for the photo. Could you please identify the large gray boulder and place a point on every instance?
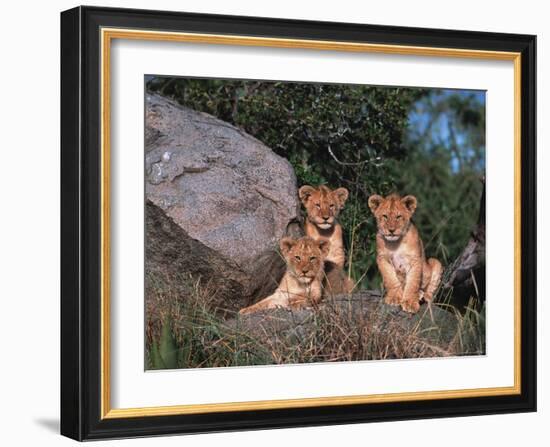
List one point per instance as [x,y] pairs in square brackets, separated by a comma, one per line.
[218,201]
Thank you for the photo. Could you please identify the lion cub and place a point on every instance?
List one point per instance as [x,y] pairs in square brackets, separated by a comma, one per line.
[408,276]
[301,285]
[323,206]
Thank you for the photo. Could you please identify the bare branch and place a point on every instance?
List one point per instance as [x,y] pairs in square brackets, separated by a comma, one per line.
[359,163]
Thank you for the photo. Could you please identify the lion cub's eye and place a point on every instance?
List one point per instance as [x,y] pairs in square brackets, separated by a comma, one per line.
[332,206]
[318,205]
[399,217]
[297,258]
[312,258]
[385,217]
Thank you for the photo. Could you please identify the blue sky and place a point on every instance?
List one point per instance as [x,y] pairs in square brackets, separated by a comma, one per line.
[420,117]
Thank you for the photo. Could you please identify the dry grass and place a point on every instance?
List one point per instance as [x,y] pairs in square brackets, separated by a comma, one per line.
[186,330]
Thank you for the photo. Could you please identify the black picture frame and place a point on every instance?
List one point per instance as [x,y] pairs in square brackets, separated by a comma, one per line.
[81,223]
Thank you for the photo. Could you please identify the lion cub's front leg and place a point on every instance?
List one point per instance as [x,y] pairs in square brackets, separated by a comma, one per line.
[432,272]
[284,299]
[394,289]
[278,299]
[411,292]
[394,296]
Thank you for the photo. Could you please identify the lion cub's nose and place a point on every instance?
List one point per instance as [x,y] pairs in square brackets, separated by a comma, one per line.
[305,269]
[325,217]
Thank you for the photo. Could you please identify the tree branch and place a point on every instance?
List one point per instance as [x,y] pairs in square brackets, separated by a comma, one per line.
[359,163]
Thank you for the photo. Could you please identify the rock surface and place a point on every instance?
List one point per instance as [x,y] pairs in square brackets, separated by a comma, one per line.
[432,331]
[218,200]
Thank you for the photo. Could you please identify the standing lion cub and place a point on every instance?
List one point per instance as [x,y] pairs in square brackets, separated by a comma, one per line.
[408,277]
[301,285]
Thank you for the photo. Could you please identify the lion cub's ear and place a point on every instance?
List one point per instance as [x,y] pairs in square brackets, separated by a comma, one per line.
[286,245]
[304,192]
[410,203]
[341,195]
[374,202]
[324,246]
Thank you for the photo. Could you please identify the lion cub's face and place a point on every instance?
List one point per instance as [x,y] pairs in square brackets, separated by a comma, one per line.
[304,257]
[323,204]
[393,214]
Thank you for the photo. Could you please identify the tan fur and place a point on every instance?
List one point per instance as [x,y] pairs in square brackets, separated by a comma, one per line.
[323,206]
[301,286]
[336,281]
[408,277]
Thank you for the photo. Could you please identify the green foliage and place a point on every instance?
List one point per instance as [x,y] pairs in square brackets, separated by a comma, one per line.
[185,330]
[164,354]
[429,143]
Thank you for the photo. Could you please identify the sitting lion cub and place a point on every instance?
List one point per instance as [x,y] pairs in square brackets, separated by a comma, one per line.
[407,276]
[323,206]
[302,283]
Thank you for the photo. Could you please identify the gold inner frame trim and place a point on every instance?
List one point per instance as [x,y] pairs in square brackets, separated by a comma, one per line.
[107,35]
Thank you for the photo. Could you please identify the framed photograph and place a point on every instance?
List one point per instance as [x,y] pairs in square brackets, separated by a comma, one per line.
[274,223]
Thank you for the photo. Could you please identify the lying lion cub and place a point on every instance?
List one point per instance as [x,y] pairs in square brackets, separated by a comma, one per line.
[407,276]
[323,206]
[302,283]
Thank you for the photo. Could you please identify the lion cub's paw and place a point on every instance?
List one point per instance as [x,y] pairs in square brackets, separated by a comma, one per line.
[411,306]
[250,309]
[394,297]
